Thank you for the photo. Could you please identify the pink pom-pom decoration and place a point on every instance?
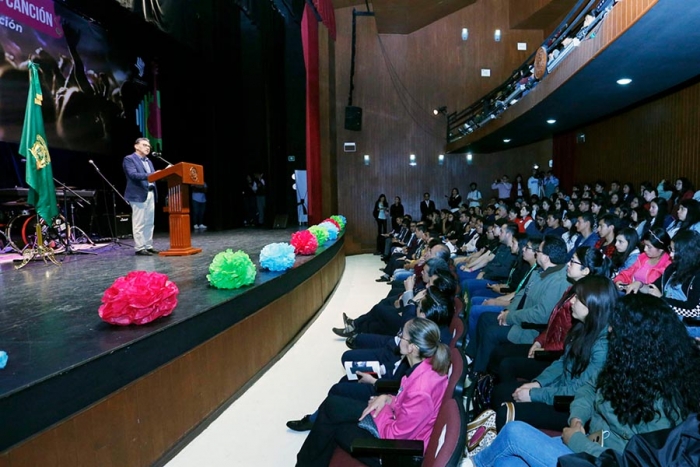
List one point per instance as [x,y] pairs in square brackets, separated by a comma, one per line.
[335,222]
[304,243]
[138,298]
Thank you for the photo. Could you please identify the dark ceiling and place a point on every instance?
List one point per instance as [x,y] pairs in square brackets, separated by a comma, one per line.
[659,52]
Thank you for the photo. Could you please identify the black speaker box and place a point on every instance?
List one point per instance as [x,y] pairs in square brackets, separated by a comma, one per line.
[123,225]
[353,118]
[280,221]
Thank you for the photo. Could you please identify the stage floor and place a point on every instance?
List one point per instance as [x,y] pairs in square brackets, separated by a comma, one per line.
[48,313]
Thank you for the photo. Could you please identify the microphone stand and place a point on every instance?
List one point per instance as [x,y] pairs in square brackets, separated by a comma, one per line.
[115,240]
[157,154]
[69,247]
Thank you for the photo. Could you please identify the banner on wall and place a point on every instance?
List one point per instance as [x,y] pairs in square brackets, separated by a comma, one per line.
[98,91]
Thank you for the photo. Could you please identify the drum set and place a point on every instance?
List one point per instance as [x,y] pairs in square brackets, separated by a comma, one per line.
[21,231]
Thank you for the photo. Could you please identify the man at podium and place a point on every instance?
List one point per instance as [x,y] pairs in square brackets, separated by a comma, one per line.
[141,195]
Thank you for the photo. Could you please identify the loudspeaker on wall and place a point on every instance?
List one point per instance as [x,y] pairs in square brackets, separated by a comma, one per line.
[353,118]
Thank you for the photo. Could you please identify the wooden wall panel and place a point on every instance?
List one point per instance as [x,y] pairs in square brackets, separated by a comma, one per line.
[399,80]
[654,141]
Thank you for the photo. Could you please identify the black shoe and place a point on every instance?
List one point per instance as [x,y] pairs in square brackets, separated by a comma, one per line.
[347,331]
[376,253]
[383,279]
[143,253]
[305,424]
[347,321]
[350,342]
[153,251]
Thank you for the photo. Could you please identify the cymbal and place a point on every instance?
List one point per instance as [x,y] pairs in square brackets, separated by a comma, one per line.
[22,203]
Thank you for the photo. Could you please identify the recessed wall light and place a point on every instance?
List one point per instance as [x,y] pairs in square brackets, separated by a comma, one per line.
[412,159]
[465,34]
[507,140]
[551,121]
[497,35]
[624,81]
[441,159]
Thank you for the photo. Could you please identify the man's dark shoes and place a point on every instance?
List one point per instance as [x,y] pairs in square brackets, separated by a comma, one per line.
[384,278]
[347,321]
[153,251]
[305,424]
[347,331]
[350,342]
[143,253]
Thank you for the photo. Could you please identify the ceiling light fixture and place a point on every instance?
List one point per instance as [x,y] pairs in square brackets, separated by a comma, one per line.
[624,81]
[507,140]
[551,121]
[440,110]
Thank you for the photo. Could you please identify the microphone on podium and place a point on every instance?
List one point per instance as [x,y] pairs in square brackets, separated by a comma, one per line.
[93,164]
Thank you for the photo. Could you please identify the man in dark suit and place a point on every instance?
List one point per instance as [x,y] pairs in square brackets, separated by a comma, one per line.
[141,195]
[427,206]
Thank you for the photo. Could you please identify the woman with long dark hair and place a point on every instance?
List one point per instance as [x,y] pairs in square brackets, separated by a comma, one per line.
[650,381]
[590,302]
[626,249]
[658,213]
[683,190]
[688,217]
[677,284]
[454,200]
[409,415]
[649,265]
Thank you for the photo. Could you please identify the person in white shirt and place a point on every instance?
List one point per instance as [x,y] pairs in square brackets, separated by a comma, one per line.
[533,184]
[474,196]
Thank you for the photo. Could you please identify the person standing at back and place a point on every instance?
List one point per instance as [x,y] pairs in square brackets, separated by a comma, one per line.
[199,202]
[427,207]
[141,195]
[260,191]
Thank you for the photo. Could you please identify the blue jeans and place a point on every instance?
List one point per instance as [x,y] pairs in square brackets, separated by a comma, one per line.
[519,444]
[478,288]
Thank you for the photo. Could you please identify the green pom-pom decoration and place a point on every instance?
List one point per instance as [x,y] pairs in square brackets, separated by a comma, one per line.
[340,220]
[229,270]
[320,233]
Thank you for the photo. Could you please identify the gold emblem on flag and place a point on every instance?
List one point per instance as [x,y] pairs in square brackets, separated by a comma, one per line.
[40,151]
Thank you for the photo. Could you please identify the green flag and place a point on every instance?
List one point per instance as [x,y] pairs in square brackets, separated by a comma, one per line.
[39,176]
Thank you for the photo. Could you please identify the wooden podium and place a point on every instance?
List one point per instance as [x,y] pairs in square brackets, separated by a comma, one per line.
[180,177]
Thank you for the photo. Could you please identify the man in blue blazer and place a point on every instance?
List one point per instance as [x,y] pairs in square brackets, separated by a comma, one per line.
[141,195]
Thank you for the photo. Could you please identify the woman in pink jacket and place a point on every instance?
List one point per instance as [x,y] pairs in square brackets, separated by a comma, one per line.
[650,264]
[410,414]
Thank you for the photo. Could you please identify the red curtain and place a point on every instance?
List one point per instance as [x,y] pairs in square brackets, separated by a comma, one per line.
[309,38]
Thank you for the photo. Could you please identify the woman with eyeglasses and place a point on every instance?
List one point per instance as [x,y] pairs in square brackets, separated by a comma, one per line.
[410,414]
[649,382]
[677,284]
[649,265]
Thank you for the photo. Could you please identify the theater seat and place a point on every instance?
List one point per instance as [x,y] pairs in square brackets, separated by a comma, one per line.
[445,447]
